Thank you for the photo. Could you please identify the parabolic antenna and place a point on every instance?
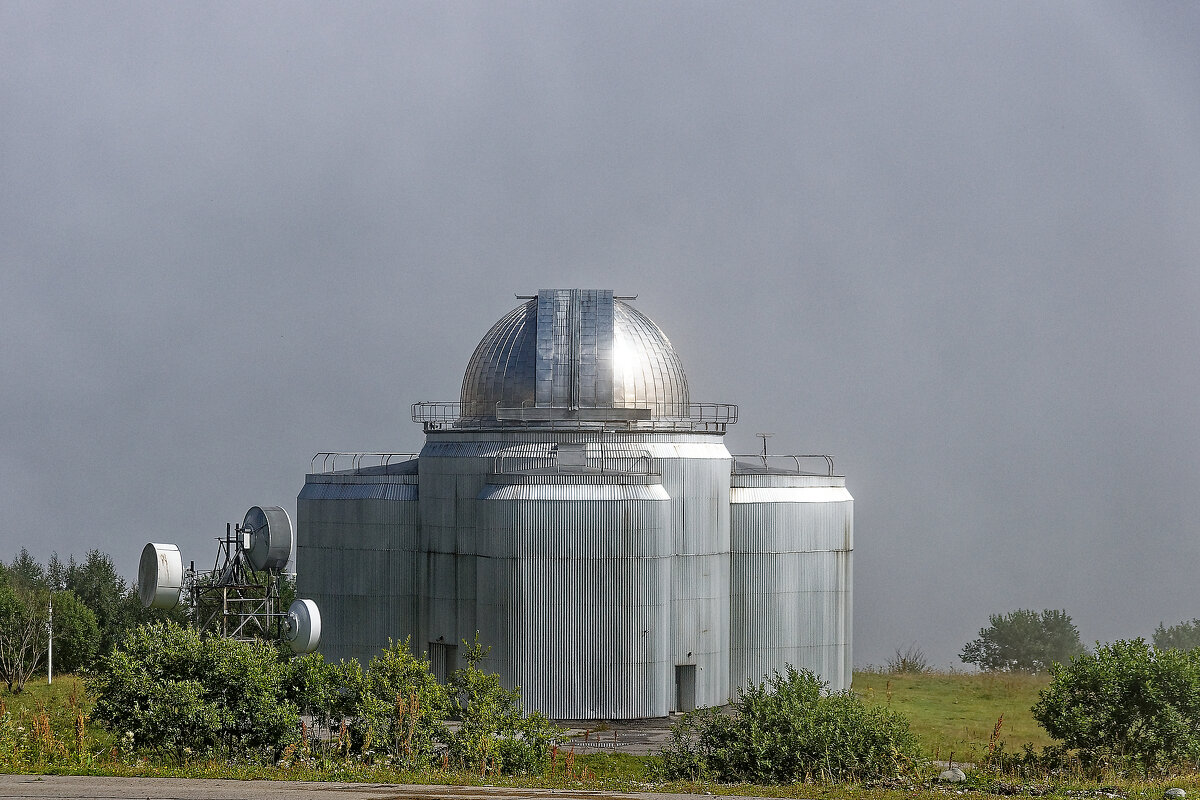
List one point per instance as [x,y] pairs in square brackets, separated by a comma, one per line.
[160,576]
[303,631]
[270,530]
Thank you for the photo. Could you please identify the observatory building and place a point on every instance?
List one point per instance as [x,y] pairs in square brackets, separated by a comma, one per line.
[580,512]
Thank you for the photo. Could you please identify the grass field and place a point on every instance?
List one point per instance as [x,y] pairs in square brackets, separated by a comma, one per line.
[957,712]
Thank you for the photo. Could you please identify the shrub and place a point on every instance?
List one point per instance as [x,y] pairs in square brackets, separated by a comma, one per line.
[787,730]
[494,733]
[327,692]
[76,633]
[1126,704]
[911,661]
[178,693]
[1024,641]
[401,708]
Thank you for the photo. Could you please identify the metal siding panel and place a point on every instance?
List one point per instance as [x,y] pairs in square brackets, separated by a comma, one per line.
[698,585]
[358,545]
[581,612]
[698,484]
[790,586]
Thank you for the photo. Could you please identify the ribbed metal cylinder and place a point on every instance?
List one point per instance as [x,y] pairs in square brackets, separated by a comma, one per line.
[454,469]
[697,478]
[357,536]
[574,581]
[694,470]
[695,473]
[791,551]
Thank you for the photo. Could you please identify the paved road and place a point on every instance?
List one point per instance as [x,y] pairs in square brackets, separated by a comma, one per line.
[62,787]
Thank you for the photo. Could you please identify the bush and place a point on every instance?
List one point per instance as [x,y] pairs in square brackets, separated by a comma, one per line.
[171,690]
[788,730]
[909,662]
[76,633]
[182,693]
[327,692]
[494,734]
[1126,704]
[1024,641]
[401,708]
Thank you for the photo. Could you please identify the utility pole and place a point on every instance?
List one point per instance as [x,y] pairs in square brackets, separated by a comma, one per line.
[50,643]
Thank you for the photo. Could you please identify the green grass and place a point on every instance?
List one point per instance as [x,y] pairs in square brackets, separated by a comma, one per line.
[957,712]
[38,694]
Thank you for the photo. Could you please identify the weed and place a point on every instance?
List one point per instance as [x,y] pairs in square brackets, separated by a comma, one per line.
[911,661]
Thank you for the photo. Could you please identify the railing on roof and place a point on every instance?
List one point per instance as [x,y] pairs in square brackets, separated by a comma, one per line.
[568,458]
[714,417]
[329,461]
[749,457]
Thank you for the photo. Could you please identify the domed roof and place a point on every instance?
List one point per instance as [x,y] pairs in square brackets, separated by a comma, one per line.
[574,353]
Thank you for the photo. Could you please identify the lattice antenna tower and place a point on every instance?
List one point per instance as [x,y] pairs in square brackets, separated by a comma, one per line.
[241,597]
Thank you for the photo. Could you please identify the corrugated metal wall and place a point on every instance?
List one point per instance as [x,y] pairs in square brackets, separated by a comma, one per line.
[697,479]
[695,474]
[592,588]
[454,468]
[791,551]
[356,541]
[574,581]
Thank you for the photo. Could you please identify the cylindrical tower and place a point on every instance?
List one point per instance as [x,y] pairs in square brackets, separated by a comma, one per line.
[574,586]
[791,543]
[356,554]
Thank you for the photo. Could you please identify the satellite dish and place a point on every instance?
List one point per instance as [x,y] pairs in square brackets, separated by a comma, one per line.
[303,631]
[270,530]
[160,576]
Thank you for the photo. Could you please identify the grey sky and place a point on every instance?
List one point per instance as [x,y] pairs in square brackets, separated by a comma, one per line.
[956,245]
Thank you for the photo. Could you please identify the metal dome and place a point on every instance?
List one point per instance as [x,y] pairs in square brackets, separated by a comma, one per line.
[574,353]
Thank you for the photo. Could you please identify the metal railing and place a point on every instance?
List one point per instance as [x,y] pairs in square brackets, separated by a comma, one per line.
[715,417]
[795,459]
[605,467]
[329,461]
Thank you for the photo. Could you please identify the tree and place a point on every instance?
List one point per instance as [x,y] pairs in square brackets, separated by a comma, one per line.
[97,584]
[76,633]
[56,573]
[1184,636]
[23,631]
[1024,641]
[1128,703]
[27,572]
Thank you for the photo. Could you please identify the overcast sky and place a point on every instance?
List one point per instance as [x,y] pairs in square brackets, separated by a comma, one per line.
[956,245]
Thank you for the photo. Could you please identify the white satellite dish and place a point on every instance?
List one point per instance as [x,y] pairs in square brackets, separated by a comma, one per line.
[303,629]
[270,530]
[160,576]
